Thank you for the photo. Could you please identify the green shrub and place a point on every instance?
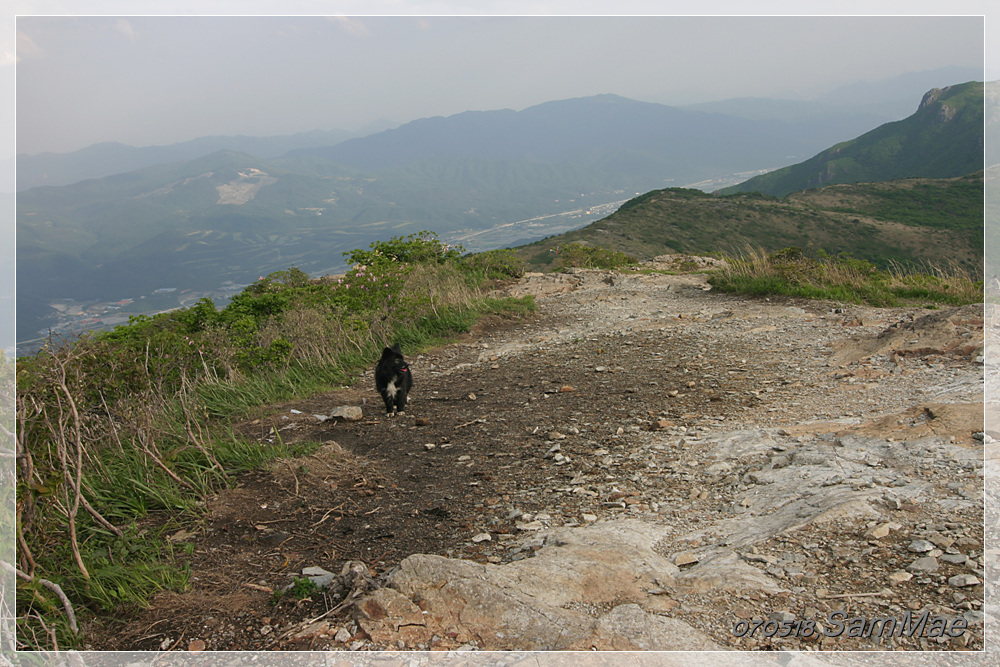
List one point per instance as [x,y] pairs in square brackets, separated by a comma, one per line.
[578,255]
[413,249]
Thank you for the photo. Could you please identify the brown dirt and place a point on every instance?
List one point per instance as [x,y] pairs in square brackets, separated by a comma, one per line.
[492,405]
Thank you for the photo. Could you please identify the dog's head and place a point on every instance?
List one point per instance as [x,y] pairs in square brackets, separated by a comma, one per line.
[393,358]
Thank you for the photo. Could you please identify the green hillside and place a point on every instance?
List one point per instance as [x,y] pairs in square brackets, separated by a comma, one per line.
[908,221]
[943,139]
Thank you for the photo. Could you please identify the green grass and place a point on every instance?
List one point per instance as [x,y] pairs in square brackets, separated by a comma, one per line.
[905,222]
[142,414]
[844,279]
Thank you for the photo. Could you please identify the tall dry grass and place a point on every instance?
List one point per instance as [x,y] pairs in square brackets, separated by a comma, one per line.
[789,272]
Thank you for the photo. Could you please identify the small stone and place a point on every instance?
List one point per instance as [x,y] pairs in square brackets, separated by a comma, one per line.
[943,541]
[685,558]
[879,531]
[759,558]
[590,518]
[955,559]
[899,576]
[920,546]
[464,457]
[422,421]
[472,396]
[529,525]
[196,645]
[322,578]
[566,388]
[429,446]
[926,564]
[782,616]
[343,635]
[350,413]
[962,580]
[482,537]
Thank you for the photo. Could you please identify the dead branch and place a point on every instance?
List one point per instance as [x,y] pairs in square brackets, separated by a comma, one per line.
[55,588]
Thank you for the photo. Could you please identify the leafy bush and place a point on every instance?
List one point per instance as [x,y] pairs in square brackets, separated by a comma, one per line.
[578,255]
[503,264]
[415,248]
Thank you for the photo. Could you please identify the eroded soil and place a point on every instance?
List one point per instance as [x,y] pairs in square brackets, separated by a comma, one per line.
[597,408]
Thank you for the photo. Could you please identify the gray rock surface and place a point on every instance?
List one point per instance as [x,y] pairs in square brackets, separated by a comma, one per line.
[798,510]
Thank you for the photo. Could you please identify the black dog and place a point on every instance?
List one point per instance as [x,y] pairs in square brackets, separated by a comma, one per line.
[393,379]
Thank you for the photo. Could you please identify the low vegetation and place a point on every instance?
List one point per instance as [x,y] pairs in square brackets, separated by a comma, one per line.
[583,256]
[122,434]
[790,272]
[905,223]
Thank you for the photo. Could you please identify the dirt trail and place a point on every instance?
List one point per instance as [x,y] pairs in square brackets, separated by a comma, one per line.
[709,430]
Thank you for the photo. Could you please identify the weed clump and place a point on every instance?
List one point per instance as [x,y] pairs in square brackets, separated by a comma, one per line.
[790,272]
[578,255]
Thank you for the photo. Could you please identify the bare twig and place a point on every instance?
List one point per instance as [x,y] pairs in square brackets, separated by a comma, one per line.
[55,588]
[162,465]
[61,444]
[294,476]
[327,515]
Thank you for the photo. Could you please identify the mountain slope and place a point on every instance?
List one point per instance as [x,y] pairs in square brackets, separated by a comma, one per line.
[943,139]
[910,221]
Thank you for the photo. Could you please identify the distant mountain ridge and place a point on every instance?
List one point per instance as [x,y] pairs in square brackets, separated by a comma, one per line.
[579,130]
[109,158]
[942,139]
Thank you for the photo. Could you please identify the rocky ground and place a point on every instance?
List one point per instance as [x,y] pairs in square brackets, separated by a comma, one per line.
[646,465]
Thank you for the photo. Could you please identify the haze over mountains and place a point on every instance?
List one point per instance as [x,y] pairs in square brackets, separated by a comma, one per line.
[106,159]
[205,226]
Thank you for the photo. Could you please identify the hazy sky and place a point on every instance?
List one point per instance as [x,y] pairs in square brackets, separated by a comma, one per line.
[148,80]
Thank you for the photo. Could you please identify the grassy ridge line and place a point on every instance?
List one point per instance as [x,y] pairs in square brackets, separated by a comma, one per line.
[907,223]
[789,272]
[120,425]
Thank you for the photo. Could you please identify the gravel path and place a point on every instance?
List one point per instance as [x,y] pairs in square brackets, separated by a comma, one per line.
[769,483]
